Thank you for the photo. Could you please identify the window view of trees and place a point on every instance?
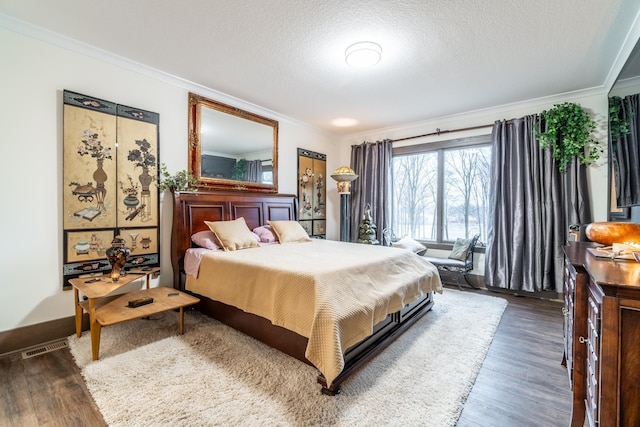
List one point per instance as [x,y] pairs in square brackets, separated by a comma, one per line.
[443,194]
[415,193]
[466,192]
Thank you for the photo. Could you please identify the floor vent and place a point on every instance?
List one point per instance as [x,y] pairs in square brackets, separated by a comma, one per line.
[47,348]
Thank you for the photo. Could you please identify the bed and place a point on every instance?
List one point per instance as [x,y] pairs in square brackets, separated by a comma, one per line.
[285,294]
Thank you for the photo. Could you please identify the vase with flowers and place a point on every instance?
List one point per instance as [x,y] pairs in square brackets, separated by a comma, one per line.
[92,146]
[144,158]
[131,192]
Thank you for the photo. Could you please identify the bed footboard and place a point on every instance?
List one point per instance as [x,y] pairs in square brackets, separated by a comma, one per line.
[384,334]
[295,345]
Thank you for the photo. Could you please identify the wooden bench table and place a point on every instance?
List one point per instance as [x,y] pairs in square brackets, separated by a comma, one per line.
[105,309]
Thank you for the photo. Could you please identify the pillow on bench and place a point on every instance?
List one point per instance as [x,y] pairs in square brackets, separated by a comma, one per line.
[408,243]
[460,249]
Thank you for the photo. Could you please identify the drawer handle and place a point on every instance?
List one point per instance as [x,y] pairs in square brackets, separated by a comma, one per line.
[565,311]
[583,340]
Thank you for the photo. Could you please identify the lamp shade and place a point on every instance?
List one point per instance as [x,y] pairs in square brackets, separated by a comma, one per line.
[344,175]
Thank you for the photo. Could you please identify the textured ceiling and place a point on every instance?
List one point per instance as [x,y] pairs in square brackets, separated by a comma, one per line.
[440,57]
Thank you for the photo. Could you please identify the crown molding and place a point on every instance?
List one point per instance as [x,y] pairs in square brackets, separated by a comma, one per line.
[621,85]
[633,36]
[529,104]
[25,28]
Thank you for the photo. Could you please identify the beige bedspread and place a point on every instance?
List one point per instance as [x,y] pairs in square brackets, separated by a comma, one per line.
[331,292]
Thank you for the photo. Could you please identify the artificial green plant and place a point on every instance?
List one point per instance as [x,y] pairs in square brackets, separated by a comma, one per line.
[618,123]
[567,129]
[238,171]
[180,181]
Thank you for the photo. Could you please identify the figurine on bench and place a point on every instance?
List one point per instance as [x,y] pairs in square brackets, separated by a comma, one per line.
[460,261]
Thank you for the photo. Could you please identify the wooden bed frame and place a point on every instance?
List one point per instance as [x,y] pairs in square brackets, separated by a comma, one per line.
[190,212]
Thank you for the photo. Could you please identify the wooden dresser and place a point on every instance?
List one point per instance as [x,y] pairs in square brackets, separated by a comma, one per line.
[602,337]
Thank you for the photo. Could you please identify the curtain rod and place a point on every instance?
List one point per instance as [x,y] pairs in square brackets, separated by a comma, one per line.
[440,132]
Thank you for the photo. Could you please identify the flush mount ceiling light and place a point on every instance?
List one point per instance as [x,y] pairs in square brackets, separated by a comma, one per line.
[363,54]
[344,122]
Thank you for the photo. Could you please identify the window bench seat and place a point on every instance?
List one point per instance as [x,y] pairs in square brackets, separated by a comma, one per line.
[459,266]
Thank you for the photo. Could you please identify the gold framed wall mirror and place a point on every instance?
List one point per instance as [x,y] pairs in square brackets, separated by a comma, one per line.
[230,148]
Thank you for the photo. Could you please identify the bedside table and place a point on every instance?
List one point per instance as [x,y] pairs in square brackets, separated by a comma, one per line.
[105,309]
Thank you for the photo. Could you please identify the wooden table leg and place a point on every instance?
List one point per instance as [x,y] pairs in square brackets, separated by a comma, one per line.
[95,328]
[76,296]
[181,321]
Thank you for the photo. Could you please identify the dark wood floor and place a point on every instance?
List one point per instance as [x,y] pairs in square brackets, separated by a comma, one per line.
[45,390]
[520,384]
[522,381]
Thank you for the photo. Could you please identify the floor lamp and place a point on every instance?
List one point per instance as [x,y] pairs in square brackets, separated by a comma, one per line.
[344,175]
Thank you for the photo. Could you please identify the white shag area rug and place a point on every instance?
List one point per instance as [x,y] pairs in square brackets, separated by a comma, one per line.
[212,375]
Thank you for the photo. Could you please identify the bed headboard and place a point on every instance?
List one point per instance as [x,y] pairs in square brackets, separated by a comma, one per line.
[191,209]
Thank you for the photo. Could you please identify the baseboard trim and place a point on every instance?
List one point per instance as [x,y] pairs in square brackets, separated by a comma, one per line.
[19,339]
[544,295]
[477,280]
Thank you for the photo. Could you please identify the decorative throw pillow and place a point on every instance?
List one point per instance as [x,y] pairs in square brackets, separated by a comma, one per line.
[289,231]
[206,239]
[266,234]
[233,235]
[408,243]
[460,248]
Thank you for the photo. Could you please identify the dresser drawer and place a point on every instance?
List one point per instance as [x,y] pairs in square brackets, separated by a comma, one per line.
[593,345]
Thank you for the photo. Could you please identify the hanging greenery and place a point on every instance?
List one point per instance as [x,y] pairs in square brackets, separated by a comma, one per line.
[238,171]
[182,180]
[618,124]
[568,130]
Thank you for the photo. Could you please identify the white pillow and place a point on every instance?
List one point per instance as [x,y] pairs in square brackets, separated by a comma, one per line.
[460,249]
[408,243]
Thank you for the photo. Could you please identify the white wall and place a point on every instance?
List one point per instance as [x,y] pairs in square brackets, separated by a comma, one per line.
[32,77]
[595,102]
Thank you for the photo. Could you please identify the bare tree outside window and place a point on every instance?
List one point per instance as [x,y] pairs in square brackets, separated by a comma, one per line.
[415,191]
[466,188]
[462,201]
[480,196]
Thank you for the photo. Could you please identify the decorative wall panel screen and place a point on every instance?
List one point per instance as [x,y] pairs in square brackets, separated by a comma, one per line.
[109,184]
[312,192]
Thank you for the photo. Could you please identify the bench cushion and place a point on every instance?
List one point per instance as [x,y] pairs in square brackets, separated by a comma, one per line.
[445,262]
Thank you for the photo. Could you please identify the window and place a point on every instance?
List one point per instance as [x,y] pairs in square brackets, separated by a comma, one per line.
[441,190]
[267,174]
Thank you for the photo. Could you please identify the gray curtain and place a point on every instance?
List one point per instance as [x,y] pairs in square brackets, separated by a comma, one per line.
[531,208]
[625,155]
[253,170]
[371,161]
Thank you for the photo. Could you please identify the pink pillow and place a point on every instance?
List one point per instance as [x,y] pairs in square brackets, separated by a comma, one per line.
[266,234]
[206,239]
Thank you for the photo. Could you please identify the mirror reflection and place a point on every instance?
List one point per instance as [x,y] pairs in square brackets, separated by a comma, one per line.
[624,148]
[231,148]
